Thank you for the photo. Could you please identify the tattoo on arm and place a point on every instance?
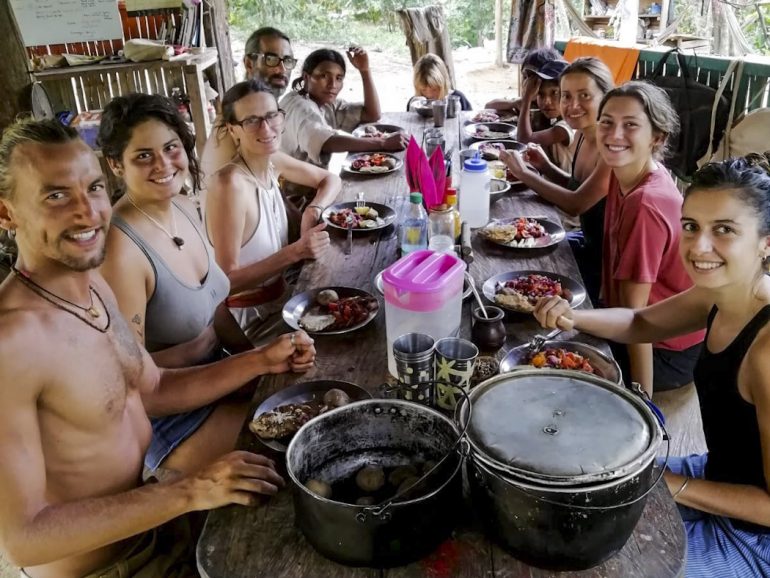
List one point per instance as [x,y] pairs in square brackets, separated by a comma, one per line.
[136,319]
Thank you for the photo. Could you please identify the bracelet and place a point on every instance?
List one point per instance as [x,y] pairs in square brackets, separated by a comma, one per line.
[319,207]
[682,487]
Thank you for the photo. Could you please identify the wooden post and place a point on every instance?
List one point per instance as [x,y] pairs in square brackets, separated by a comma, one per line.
[426,32]
[15,91]
[218,31]
[498,32]
[629,21]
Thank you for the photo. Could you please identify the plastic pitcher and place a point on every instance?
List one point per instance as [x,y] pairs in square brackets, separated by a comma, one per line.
[423,294]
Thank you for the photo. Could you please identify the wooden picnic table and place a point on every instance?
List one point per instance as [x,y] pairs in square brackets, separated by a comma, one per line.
[262,542]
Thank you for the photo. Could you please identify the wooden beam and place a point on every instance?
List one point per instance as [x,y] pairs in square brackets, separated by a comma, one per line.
[15,89]
[498,32]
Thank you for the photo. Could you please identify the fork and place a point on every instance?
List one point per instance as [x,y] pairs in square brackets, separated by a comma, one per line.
[538,341]
[360,201]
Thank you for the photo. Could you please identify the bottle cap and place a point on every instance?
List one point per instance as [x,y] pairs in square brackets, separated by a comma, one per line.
[415,198]
[451,197]
[475,164]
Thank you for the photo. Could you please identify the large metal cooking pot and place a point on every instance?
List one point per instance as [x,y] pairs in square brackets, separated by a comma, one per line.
[337,444]
[560,464]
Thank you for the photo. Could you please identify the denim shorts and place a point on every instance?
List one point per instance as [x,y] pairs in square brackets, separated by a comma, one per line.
[670,369]
[171,430]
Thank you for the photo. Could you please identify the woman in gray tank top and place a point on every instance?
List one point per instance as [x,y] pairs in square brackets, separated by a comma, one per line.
[160,265]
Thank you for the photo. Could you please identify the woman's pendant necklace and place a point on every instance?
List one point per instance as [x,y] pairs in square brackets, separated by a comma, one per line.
[178,241]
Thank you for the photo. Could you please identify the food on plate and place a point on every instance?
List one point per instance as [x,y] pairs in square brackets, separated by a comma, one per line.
[370,478]
[522,232]
[360,218]
[486,116]
[560,358]
[373,163]
[319,488]
[342,313]
[327,296]
[483,131]
[336,398]
[522,293]
[284,420]
[371,131]
[491,150]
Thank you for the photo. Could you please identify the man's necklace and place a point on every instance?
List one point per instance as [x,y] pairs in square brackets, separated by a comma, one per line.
[92,313]
[178,241]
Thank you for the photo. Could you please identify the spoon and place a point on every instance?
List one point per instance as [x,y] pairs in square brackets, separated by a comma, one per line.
[477,296]
[538,341]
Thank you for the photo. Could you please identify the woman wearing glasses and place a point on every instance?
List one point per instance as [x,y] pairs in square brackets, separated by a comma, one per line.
[245,212]
[315,117]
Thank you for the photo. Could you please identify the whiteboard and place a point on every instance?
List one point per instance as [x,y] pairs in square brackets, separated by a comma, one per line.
[63,21]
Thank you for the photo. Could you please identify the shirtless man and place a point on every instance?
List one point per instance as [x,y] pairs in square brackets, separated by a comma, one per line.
[268,57]
[74,383]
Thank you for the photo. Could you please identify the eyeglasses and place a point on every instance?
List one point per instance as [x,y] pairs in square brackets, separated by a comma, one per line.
[272,59]
[252,123]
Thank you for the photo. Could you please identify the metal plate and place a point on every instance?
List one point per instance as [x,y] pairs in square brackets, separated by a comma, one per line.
[387,215]
[346,164]
[296,307]
[577,290]
[360,131]
[556,233]
[467,289]
[604,366]
[495,127]
[511,145]
[308,391]
[497,189]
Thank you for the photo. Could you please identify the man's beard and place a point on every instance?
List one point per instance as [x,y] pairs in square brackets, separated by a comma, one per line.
[84,264]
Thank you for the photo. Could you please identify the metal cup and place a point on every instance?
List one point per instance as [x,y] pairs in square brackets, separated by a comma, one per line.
[413,353]
[432,143]
[455,359]
[453,106]
[439,112]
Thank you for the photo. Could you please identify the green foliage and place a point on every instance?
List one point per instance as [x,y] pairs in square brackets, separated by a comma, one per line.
[372,22]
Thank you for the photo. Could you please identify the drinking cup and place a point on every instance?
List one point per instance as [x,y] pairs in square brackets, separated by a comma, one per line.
[413,353]
[454,362]
[439,112]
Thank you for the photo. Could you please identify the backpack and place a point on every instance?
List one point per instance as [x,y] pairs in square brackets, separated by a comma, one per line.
[703,115]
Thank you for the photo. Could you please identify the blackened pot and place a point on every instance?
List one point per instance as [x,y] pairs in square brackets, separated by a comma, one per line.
[390,433]
[559,528]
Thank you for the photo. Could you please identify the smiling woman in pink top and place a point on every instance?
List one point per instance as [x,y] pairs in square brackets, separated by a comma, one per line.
[641,265]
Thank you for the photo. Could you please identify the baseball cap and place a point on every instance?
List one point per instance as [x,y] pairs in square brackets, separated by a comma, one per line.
[552,69]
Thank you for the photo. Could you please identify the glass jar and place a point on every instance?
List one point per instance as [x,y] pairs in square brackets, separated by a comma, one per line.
[441,228]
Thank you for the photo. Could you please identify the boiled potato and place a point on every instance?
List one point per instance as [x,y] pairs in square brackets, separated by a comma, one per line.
[406,486]
[336,398]
[399,474]
[370,478]
[319,488]
[327,296]
[366,501]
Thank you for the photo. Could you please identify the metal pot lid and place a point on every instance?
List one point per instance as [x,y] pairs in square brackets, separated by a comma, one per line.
[559,424]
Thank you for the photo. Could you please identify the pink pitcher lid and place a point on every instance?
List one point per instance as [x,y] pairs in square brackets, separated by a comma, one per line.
[424,271]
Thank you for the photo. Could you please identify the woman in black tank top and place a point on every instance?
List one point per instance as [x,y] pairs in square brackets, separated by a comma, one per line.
[724,495]
[582,85]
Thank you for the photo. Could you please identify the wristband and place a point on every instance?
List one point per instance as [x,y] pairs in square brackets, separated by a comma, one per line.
[319,207]
[681,488]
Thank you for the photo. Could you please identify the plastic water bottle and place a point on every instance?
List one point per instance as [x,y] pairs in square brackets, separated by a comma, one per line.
[414,230]
[474,192]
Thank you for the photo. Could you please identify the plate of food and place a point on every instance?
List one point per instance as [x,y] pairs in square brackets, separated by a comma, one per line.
[369,217]
[421,106]
[490,150]
[519,291]
[376,130]
[280,416]
[563,355]
[523,232]
[371,163]
[330,310]
[495,131]
[467,288]
[486,115]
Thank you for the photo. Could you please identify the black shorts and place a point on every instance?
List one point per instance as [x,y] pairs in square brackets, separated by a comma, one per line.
[671,369]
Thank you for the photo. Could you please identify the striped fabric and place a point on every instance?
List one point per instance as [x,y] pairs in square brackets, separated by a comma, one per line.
[715,549]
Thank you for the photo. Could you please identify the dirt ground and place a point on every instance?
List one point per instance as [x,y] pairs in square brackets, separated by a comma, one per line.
[475,71]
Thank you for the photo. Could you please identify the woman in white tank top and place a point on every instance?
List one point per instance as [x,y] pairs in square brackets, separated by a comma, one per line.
[245,212]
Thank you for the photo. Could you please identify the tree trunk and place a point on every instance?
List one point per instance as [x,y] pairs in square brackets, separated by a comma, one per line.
[426,32]
[15,91]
